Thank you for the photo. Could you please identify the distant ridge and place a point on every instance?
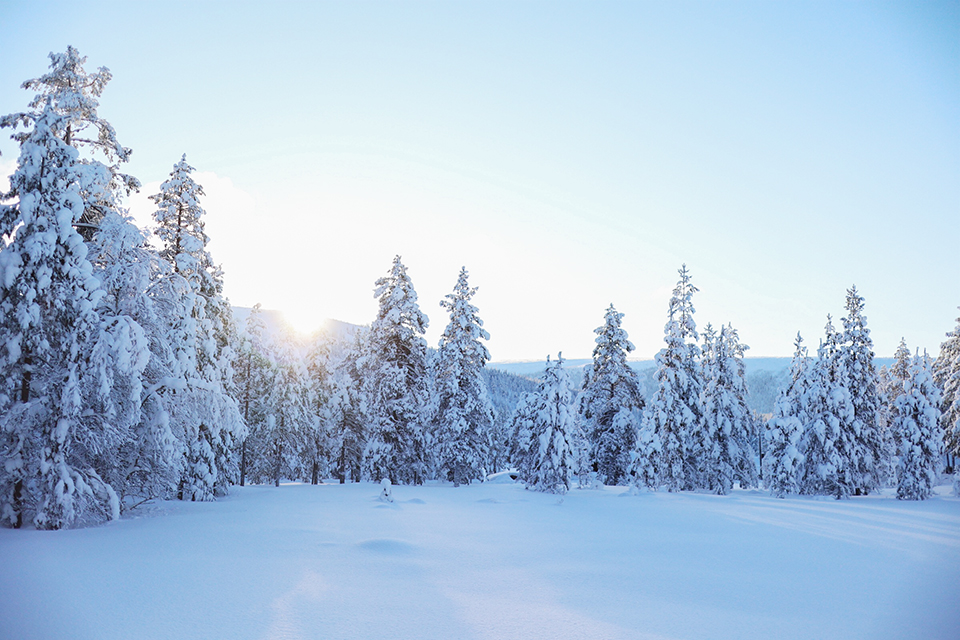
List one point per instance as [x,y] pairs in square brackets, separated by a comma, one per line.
[277,327]
[533,368]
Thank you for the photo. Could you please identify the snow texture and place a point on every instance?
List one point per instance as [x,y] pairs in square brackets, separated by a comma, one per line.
[493,561]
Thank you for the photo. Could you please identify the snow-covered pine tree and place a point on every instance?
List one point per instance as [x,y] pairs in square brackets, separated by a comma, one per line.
[817,444]
[727,455]
[549,433]
[345,409]
[135,283]
[210,419]
[645,458]
[918,435]
[860,378]
[900,370]
[521,431]
[221,375]
[883,394]
[254,377]
[320,438]
[55,358]
[463,417]
[700,445]
[828,443]
[394,367]
[120,346]
[889,388]
[674,414]
[180,227]
[610,402]
[289,419]
[946,374]
[783,462]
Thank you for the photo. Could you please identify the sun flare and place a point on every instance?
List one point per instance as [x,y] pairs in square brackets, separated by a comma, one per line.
[304,320]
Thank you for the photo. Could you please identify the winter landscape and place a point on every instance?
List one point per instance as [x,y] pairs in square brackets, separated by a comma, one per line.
[181,461]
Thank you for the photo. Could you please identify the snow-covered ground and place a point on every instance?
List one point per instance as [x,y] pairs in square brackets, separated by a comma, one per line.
[492,561]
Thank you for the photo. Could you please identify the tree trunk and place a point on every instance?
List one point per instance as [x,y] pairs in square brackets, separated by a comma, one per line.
[243,462]
[24,397]
[276,469]
[18,503]
[27,378]
[246,422]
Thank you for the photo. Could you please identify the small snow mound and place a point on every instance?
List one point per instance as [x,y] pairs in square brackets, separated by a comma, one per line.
[504,477]
[415,501]
[386,493]
[488,501]
[592,482]
[387,547]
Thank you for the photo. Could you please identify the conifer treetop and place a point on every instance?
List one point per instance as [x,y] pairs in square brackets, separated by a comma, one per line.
[179,217]
[901,365]
[398,302]
[681,307]
[798,364]
[609,383]
[73,93]
[611,333]
[465,323]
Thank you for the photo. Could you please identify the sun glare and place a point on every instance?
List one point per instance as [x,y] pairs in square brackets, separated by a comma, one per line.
[304,321]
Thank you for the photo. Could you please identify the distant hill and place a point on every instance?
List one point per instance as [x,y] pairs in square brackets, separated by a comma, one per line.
[533,368]
[276,325]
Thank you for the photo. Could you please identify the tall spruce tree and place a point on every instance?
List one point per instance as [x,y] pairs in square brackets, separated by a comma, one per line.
[946,374]
[549,434]
[828,441]
[890,383]
[345,409]
[727,455]
[610,402]
[394,371]
[860,379]
[521,431]
[48,274]
[675,413]
[136,286]
[53,187]
[54,360]
[319,442]
[464,415]
[212,427]
[783,463]
[255,374]
[290,420]
[917,432]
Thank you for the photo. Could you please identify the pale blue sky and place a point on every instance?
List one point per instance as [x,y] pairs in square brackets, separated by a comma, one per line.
[569,154]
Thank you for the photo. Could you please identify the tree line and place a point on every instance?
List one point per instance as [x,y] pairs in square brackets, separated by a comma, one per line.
[125,378]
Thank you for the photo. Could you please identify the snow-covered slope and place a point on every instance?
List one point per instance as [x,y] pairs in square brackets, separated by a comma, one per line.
[489,562]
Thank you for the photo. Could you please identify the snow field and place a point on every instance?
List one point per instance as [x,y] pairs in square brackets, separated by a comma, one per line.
[492,561]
